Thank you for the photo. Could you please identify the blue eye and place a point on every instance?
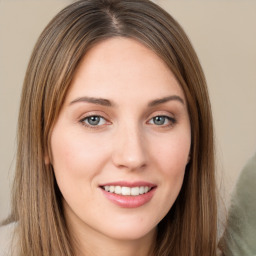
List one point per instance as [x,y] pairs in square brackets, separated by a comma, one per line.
[162,120]
[94,121]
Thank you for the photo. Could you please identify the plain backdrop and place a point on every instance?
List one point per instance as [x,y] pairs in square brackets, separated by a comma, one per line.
[223,33]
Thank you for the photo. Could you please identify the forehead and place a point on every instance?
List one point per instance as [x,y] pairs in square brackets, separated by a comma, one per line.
[122,66]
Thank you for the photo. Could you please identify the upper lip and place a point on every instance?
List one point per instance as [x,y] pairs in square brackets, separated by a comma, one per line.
[129,184]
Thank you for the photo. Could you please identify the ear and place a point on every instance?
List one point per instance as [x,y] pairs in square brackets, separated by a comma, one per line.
[189,157]
[46,159]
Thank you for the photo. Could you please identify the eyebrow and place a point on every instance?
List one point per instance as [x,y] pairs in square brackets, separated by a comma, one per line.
[98,101]
[105,102]
[166,99]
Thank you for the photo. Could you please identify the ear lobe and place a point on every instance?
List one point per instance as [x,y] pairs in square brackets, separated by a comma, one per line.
[189,157]
[46,159]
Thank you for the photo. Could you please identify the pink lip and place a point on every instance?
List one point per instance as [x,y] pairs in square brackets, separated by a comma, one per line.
[129,201]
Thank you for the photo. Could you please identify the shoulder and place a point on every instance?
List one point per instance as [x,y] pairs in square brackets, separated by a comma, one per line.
[239,237]
[245,196]
[247,180]
[6,239]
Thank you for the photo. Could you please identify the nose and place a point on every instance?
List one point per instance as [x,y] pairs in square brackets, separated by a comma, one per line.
[129,149]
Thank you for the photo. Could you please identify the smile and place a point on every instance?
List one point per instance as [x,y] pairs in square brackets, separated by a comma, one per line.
[129,195]
[127,191]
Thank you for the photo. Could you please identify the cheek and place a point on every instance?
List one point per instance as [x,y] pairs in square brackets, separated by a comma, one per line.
[76,161]
[172,154]
[75,154]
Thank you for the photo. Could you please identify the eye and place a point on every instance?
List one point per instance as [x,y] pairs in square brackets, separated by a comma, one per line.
[162,121]
[93,121]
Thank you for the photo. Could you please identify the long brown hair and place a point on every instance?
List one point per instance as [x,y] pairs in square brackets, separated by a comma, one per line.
[189,229]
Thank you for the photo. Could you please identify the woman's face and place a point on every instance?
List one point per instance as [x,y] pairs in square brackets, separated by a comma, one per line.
[121,142]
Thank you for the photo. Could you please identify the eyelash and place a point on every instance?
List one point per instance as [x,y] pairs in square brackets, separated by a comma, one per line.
[84,121]
[171,121]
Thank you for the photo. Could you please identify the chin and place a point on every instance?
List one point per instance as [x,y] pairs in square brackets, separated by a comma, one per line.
[130,232]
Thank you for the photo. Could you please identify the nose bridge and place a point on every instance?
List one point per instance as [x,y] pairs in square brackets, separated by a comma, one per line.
[129,146]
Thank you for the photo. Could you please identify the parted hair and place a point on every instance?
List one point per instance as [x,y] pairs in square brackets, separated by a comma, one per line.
[189,228]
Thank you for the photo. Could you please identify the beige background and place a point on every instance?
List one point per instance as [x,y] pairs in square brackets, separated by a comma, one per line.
[223,33]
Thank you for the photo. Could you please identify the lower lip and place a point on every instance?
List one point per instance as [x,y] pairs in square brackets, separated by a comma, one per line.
[129,201]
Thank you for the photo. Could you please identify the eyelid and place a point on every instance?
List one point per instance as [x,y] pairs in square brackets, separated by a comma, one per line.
[161,113]
[171,119]
[88,118]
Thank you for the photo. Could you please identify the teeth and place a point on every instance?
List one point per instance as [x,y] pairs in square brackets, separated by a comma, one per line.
[126,191]
[135,191]
[118,190]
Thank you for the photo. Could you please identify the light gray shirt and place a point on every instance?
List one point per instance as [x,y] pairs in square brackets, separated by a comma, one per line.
[240,236]
[6,238]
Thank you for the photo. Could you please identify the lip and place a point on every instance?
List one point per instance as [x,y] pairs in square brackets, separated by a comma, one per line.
[129,201]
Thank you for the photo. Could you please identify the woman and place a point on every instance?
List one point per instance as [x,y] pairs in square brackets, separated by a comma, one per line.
[115,141]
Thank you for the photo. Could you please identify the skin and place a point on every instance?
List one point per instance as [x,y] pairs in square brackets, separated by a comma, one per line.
[126,145]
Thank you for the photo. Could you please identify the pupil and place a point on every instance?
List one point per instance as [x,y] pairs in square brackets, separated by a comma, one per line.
[94,120]
[159,120]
